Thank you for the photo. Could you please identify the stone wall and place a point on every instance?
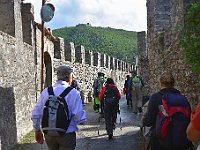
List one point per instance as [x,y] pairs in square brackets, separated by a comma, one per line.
[163,50]
[17,89]
[20,75]
[86,71]
[142,63]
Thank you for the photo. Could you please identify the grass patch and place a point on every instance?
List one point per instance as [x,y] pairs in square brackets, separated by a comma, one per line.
[27,139]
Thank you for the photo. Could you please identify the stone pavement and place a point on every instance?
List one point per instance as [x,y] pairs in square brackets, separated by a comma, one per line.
[126,134]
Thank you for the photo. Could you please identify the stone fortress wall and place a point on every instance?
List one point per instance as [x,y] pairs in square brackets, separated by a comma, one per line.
[20,61]
[163,52]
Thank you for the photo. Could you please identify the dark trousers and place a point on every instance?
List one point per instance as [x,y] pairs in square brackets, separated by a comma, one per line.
[110,114]
[102,107]
[65,142]
[128,99]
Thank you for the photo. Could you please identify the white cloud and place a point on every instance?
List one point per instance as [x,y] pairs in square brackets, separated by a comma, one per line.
[122,14]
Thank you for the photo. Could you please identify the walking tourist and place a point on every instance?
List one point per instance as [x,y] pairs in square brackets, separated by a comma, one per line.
[97,86]
[136,92]
[57,113]
[168,115]
[110,96]
[126,89]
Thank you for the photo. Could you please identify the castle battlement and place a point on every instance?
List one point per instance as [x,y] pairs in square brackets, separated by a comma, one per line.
[20,60]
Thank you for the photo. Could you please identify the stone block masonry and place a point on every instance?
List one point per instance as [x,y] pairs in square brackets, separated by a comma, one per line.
[20,71]
[163,52]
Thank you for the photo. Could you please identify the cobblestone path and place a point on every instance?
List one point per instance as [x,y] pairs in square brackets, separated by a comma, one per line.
[125,138]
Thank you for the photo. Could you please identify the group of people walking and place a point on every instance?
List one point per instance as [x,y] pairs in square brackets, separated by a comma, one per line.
[133,89]
[106,92]
[59,110]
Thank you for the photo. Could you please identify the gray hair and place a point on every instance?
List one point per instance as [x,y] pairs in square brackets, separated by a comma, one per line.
[63,72]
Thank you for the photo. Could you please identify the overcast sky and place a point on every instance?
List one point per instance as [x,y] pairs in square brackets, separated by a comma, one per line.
[120,14]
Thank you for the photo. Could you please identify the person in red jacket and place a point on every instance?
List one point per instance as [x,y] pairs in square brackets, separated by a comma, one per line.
[110,96]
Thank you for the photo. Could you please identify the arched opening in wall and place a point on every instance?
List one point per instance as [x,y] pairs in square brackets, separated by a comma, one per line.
[48,69]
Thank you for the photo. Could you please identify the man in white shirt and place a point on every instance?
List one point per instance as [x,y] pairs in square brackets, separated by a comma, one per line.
[76,112]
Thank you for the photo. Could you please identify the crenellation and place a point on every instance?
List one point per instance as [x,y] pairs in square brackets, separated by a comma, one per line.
[103,60]
[80,54]
[126,67]
[20,46]
[108,61]
[123,66]
[28,23]
[96,60]
[10,18]
[112,63]
[116,63]
[59,48]
[88,57]
[119,64]
[70,52]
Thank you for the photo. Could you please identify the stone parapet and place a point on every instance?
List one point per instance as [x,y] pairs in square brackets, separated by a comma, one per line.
[107,61]
[88,57]
[59,48]
[97,58]
[70,52]
[21,68]
[80,54]
[103,60]
[28,23]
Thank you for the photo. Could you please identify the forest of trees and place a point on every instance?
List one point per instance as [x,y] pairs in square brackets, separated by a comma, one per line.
[114,42]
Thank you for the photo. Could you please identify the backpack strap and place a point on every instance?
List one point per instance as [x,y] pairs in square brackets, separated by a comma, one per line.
[66,91]
[107,87]
[50,90]
[63,94]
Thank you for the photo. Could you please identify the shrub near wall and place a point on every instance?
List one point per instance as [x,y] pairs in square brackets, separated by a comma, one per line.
[190,40]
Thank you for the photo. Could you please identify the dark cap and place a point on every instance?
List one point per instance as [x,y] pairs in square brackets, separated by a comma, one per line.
[100,74]
[63,71]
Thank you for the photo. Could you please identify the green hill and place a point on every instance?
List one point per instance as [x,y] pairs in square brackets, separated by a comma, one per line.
[114,42]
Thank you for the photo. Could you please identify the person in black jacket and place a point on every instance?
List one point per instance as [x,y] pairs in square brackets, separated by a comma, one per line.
[126,89]
[149,118]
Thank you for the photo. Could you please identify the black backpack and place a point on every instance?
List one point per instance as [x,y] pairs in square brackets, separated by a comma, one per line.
[55,119]
[110,97]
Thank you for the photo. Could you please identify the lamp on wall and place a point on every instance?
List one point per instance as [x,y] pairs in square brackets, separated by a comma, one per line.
[46,13]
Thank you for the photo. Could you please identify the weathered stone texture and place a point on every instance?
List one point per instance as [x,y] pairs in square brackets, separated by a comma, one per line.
[21,73]
[28,23]
[59,48]
[112,63]
[163,51]
[115,63]
[103,60]
[143,64]
[17,89]
[70,52]
[10,11]
[107,61]
[97,57]
[88,57]
[80,54]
